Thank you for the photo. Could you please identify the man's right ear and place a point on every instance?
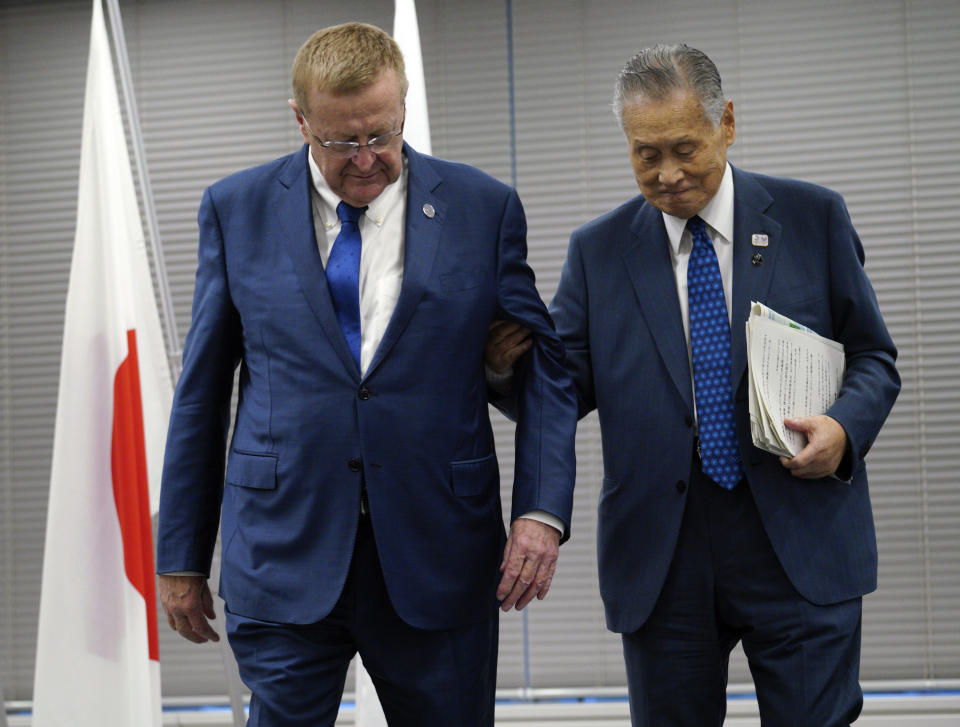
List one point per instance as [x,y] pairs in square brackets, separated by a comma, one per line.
[299,117]
[296,111]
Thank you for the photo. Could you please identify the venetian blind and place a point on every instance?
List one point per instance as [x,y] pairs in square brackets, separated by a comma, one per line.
[846,93]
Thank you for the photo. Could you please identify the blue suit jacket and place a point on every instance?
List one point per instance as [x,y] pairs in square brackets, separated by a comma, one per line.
[618,314]
[309,429]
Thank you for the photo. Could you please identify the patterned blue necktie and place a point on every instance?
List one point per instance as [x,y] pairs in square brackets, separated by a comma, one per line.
[710,349]
[343,275]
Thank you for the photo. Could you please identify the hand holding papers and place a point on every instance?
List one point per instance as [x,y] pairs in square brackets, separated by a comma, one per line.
[793,372]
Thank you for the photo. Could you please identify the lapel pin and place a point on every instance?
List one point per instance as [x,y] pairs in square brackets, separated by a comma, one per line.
[757,258]
[760,240]
[429,211]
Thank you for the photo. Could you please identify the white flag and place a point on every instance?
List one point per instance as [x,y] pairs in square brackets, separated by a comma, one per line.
[97,651]
[407,34]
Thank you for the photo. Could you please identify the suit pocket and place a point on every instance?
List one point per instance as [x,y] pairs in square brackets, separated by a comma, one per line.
[475,476]
[798,298]
[258,471]
[803,304]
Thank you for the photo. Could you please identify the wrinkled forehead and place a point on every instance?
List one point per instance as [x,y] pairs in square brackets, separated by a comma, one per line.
[374,110]
[675,115]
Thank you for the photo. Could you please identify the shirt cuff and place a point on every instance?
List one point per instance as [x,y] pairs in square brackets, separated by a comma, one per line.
[546,518]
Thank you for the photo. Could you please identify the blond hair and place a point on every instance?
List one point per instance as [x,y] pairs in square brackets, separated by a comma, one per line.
[344,58]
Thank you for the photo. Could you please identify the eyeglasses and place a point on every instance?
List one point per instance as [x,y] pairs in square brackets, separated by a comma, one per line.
[349,149]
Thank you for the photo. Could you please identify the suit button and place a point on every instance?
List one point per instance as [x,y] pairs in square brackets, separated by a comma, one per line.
[681,486]
[354,465]
[364,393]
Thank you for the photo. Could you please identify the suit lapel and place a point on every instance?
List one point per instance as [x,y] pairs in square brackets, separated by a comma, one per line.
[750,281]
[424,220]
[646,254]
[295,218]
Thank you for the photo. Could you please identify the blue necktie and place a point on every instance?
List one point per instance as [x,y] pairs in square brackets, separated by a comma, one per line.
[343,275]
[710,350]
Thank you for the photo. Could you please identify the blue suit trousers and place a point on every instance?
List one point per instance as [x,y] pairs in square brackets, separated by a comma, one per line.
[726,585]
[296,672]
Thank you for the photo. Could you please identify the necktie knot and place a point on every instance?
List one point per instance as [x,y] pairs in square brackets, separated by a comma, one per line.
[698,231]
[349,213]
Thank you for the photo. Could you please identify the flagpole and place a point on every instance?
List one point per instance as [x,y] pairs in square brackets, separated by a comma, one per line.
[527,682]
[140,156]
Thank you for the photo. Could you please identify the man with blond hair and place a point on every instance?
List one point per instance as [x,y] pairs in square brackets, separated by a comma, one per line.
[354,282]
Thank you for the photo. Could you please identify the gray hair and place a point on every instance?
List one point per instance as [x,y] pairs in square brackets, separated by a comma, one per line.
[655,73]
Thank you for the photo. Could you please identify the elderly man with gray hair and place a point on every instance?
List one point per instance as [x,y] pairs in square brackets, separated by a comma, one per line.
[705,540]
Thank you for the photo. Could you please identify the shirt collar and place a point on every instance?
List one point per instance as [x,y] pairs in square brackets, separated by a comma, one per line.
[376,211]
[718,214]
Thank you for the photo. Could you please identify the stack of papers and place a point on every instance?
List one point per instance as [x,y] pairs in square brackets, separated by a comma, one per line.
[793,372]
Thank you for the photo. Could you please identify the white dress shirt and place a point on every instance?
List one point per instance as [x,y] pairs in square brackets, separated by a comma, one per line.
[381,252]
[718,214]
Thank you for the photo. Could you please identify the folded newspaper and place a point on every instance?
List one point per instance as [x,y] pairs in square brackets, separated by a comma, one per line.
[792,372]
